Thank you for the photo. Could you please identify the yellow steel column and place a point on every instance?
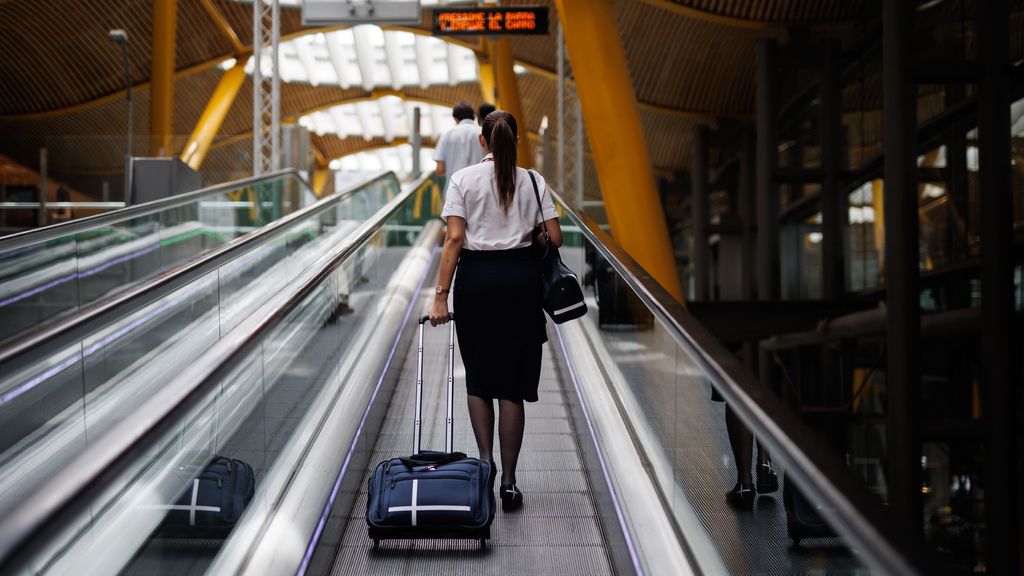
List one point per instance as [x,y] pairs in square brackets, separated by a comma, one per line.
[617,138]
[508,94]
[321,172]
[213,116]
[161,104]
[487,82]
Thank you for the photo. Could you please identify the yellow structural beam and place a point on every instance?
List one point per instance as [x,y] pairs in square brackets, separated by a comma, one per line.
[213,116]
[320,180]
[224,26]
[488,86]
[161,102]
[321,170]
[507,94]
[617,138]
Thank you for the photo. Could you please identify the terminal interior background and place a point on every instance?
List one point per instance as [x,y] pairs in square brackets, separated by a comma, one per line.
[771,128]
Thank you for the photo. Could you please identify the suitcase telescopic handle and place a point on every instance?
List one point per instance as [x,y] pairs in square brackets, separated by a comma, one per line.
[424,318]
[449,432]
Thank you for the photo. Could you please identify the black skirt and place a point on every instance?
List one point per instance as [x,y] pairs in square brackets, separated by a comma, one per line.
[500,322]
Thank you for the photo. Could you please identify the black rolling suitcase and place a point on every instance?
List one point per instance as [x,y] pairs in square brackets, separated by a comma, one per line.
[211,506]
[803,519]
[431,494]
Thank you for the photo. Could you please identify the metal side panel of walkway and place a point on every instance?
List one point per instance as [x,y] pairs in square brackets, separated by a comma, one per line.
[557,530]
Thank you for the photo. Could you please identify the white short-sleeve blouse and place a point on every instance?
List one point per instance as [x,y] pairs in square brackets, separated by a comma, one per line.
[472,195]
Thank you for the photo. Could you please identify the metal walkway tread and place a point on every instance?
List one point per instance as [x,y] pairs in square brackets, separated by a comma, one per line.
[556,531]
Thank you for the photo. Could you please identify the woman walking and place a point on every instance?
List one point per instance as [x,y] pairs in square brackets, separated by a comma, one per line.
[493,219]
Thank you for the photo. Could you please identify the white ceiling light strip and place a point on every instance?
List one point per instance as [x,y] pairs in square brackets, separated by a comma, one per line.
[302,51]
[364,49]
[371,57]
[424,62]
[393,53]
[397,158]
[388,117]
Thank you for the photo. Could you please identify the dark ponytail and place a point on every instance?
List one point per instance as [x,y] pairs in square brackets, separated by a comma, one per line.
[499,131]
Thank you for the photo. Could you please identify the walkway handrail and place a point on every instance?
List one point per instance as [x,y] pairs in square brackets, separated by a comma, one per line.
[24,529]
[820,473]
[124,303]
[38,235]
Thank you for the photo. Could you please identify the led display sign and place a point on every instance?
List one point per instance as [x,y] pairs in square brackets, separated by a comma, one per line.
[493,21]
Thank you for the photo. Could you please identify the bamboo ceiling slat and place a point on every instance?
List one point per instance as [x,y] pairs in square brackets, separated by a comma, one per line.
[810,11]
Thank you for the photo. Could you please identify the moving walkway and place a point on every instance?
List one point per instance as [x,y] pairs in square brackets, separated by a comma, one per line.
[624,465]
[63,384]
[50,272]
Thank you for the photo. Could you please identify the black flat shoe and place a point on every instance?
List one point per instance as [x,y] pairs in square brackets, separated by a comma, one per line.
[767,479]
[511,497]
[741,497]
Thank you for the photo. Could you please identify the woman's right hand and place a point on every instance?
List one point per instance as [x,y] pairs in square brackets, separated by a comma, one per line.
[438,312]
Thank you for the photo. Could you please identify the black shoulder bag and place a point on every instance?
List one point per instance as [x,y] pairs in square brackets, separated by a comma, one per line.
[563,297]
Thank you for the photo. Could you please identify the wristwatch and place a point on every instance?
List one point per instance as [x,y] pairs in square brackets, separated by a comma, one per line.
[441,290]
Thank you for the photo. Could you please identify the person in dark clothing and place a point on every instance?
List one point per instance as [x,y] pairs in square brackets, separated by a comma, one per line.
[482,112]
[492,217]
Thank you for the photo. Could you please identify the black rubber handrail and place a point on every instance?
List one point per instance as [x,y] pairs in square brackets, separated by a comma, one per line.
[820,472]
[103,312]
[43,514]
[54,231]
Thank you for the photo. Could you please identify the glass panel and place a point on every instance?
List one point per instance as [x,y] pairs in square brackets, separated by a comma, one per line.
[259,415]
[59,276]
[687,434]
[57,399]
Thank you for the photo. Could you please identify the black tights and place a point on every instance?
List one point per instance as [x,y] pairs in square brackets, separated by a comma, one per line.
[511,422]
[742,442]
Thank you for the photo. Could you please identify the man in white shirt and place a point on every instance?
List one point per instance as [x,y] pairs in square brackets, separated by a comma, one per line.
[460,146]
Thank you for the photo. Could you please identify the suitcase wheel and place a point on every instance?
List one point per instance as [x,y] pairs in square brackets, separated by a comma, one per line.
[483,542]
[376,543]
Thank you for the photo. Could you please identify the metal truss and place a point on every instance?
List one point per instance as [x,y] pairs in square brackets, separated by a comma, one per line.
[266,86]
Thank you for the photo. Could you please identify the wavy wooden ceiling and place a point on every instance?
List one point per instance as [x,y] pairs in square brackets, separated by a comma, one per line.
[692,56]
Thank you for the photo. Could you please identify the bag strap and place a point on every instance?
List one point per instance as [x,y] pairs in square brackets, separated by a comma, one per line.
[540,207]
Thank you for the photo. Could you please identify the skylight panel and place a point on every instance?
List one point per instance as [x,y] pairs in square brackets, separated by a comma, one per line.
[387,117]
[371,57]
[369,117]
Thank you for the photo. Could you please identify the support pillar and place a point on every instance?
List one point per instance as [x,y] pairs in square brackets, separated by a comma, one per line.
[417,141]
[161,101]
[507,94]
[833,199]
[213,116]
[747,212]
[699,210]
[903,325]
[617,139]
[488,84]
[1000,384]
[767,158]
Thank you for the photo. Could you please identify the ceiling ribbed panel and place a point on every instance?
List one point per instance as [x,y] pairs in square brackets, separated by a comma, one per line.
[669,139]
[448,94]
[685,63]
[239,16]
[333,147]
[537,50]
[56,53]
[198,38]
[539,97]
[806,11]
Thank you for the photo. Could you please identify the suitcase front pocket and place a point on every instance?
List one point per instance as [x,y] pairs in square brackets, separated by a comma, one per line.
[425,499]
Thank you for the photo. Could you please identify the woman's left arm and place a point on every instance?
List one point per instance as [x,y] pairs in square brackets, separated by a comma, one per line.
[453,241]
